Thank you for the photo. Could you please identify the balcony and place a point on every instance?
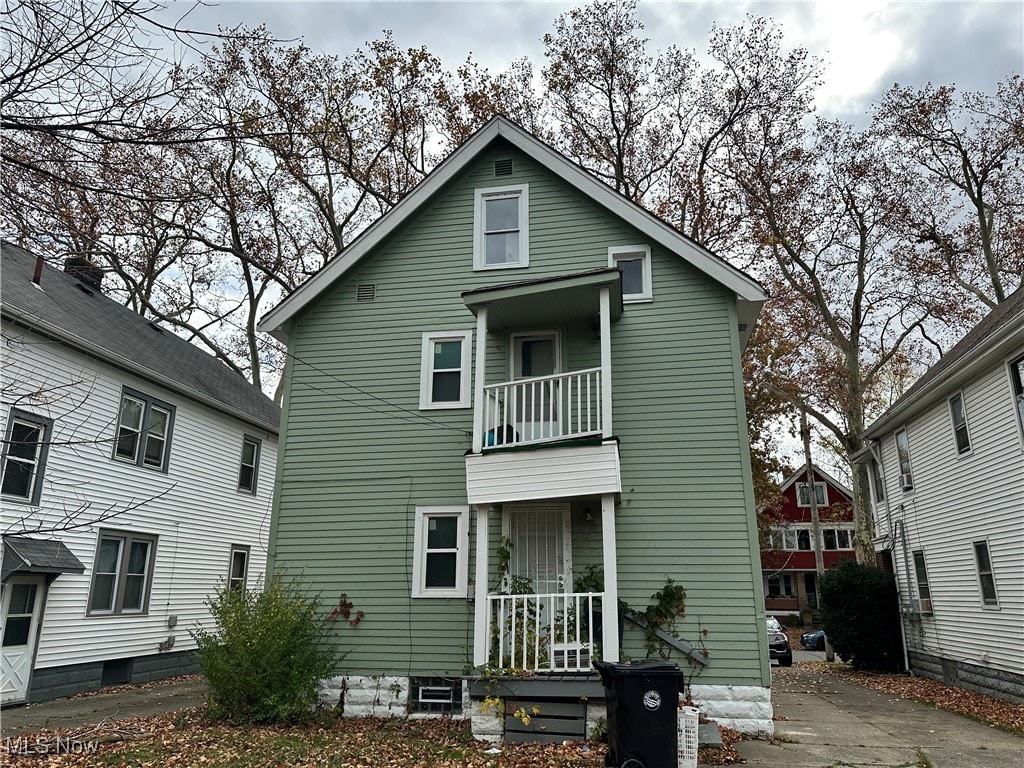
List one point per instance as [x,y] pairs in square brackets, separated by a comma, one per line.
[543,409]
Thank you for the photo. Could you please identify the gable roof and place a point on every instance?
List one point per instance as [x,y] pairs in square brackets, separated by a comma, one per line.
[749,293]
[99,326]
[819,474]
[998,333]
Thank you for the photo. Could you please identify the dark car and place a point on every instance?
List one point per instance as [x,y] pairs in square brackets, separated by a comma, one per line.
[813,641]
[778,644]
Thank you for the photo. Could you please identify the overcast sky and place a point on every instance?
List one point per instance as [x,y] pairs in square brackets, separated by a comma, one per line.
[866,44]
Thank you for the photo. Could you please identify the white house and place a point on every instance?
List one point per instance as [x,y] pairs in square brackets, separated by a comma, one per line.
[137,473]
[947,475]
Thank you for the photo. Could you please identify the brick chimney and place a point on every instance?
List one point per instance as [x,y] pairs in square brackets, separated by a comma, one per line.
[87,272]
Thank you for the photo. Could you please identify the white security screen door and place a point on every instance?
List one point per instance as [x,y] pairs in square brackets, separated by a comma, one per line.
[21,611]
[541,551]
[536,403]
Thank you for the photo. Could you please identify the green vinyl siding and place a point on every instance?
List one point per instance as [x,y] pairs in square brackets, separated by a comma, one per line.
[359,455]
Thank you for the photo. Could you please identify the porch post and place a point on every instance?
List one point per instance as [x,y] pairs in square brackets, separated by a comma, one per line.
[610,623]
[606,362]
[478,379]
[480,607]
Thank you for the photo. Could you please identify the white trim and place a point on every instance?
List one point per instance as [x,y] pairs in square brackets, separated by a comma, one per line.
[481,636]
[745,287]
[607,428]
[423,514]
[514,340]
[427,369]
[522,194]
[481,373]
[644,252]
[610,624]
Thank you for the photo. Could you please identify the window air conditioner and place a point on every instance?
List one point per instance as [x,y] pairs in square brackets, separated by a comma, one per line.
[906,481]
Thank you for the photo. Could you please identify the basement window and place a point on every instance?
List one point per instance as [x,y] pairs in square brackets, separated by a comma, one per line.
[435,695]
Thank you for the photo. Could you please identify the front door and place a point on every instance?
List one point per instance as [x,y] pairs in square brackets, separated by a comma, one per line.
[536,403]
[540,556]
[21,611]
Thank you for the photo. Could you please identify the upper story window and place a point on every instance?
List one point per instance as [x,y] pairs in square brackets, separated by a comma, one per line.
[501,227]
[248,470]
[876,481]
[1017,379]
[635,263]
[441,554]
[903,454]
[986,578]
[24,456]
[803,496]
[799,539]
[144,426]
[924,592]
[444,369]
[959,417]
[122,573]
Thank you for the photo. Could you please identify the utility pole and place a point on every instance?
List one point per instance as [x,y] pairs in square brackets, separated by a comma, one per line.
[812,493]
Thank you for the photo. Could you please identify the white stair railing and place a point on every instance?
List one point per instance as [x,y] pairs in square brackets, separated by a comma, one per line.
[553,632]
[542,409]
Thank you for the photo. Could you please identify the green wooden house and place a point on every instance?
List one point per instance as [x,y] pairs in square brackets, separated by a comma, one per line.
[511,406]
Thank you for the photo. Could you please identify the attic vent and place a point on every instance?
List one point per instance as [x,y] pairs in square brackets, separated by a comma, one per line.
[366,292]
[503,167]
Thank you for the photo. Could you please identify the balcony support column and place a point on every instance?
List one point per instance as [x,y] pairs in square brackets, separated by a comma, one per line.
[606,362]
[610,603]
[478,379]
[480,605]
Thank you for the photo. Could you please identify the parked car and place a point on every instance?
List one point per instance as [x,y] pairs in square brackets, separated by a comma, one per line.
[813,641]
[778,643]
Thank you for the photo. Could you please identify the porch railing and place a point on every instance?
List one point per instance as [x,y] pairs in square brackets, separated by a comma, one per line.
[557,632]
[542,409]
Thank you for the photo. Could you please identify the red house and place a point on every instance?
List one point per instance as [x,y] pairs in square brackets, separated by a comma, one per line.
[787,564]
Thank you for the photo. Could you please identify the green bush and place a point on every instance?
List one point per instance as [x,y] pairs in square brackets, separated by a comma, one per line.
[267,653]
[860,614]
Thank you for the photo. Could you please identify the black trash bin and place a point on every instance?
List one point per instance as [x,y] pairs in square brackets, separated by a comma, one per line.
[643,703]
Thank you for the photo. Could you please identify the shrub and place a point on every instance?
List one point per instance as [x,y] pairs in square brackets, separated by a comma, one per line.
[267,653]
[860,614]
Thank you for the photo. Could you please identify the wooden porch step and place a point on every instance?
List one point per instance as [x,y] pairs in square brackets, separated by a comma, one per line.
[550,721]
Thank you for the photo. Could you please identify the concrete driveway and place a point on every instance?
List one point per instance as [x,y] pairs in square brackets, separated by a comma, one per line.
[831,723]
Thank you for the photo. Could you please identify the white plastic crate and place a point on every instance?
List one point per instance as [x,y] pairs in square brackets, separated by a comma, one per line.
[688,720]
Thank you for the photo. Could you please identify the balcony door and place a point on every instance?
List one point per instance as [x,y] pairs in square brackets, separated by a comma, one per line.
[536,403]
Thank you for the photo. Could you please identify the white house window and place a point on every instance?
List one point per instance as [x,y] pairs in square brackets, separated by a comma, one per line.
[144,427]
[924,593]
[501,217]
[122,573]
[959,417]
[238,570]
[635,263]
[986,578]
[444,369]
[441,554]
[903,454]
[803,496]
[1017,378]
[24,456]
[248,469]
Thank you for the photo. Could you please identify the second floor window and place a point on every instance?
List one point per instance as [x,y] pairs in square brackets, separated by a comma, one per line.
[903,454]
[144,427]
[635,263]
[1017,379]
[24,456]
[924,592]
[444,369]
[959,417]
[250,464]
[986,578]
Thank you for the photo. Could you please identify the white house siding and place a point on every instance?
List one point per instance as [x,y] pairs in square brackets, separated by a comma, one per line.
[194,508]
[957,500]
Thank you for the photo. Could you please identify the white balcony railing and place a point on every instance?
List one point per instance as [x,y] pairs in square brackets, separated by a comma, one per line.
[542,409]
[544,633]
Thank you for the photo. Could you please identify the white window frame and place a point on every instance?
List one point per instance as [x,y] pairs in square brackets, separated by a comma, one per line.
[257,450]
[427,370]
[520,191]
[1015,371]
[991,572]
[419,555]
[817,484]
[899,459]
[952,420]
[244,578]
[632,251]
